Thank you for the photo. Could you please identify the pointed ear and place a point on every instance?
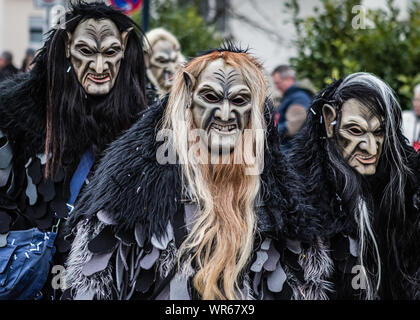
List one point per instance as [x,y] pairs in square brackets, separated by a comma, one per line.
[147,55]
[189,80]
[68,42]
[124,37]
[329,114]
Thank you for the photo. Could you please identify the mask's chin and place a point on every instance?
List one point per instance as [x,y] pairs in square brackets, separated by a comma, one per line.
[365,164]
[98,89]
[222,137]
[366,170]
[166,80]
[97,84]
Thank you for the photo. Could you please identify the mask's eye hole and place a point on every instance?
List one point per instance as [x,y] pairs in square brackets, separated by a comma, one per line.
[211,97]
[355,131]
[86,51]
[378,132]
[162,60]
[111,52]
[239,100]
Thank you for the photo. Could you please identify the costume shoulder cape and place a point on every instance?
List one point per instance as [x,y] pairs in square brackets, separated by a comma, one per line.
[27,199]
[128,224]
[339,228]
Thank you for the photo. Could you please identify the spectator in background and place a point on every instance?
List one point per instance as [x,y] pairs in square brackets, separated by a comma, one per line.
[291,113]
[27,61]
[411,120]
[7,69]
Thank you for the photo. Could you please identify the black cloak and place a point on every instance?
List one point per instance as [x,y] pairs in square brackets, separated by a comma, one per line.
[132,218]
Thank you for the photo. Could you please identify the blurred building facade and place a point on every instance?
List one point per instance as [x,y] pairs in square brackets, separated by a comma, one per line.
[267,28]
[264,26]
[23,24]
[21,27]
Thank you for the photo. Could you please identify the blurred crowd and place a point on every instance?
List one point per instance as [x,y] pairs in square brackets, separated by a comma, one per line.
[8,68]
[296,100]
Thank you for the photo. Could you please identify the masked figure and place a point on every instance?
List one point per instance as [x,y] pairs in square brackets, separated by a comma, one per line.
[163,58]
[86,87]
[196,201]
[363,177]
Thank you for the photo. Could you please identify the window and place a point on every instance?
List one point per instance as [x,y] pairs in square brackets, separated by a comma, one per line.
[36,29]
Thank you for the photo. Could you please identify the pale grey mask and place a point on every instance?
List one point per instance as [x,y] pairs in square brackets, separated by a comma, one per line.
[163,62]
[96,49]
[361,135]
[221,106]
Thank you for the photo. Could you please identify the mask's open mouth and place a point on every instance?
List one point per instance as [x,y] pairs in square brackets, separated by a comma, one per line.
[169,76]
[99,77]
[224,128]
[366,159]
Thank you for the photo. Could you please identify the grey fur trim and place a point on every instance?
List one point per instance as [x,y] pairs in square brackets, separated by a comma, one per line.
[318,267]
[247,291]
[294,284]
[167,260]
[416,286]
[99,283]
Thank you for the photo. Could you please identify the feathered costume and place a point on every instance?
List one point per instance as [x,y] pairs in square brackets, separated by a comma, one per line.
[27,198]
[133,218]
[396,232]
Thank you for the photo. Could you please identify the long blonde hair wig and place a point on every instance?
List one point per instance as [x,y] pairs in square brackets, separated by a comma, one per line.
[221,239]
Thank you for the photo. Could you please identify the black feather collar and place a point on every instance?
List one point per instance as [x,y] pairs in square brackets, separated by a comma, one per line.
[23,113]
[133,187]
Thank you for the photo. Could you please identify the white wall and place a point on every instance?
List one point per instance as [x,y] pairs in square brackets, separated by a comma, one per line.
[14,26]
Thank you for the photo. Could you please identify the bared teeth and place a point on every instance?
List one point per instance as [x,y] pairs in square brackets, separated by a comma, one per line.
[365,157]
[224,128]
[98,76]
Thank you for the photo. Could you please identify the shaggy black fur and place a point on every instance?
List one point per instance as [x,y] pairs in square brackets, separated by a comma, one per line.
[72,113]
[131,185]
[22,113]
[48,91]
[396,230]
[77,121]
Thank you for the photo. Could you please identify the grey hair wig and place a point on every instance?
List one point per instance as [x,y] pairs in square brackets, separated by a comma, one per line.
[375,205]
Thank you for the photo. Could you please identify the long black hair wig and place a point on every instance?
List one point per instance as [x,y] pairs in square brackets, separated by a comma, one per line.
[381,205]
[74,120]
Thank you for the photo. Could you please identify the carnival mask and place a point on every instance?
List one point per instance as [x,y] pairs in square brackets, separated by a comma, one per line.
[221,105]
[96,49]
[360,135]
[163,62]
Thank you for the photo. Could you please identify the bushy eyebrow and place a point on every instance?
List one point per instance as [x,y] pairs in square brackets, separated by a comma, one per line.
[242,90]
[164,55]
[355,121]
[364,125]
[206,86]
[81,43]
[114,45]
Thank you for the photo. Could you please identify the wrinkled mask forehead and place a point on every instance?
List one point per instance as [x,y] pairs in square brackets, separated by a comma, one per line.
[164,49]
[96,48]
[97,31]
[223,78]
[360,111]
